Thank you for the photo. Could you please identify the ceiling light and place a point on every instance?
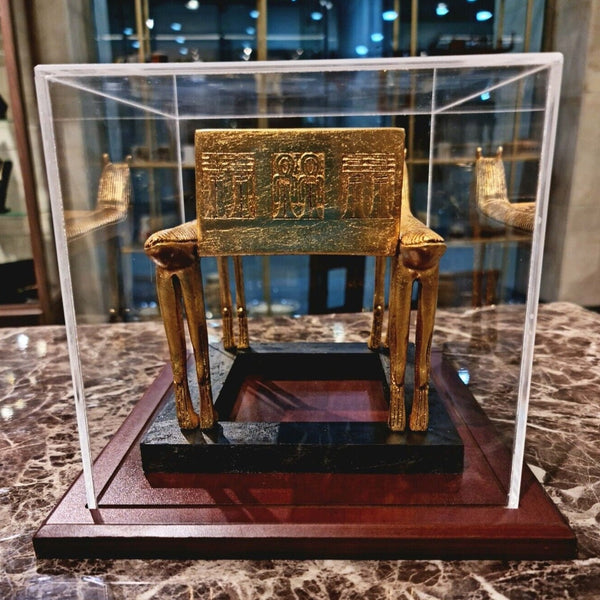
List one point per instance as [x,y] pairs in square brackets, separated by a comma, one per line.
[192,5]
[377,37]
[183,51]
[128,31]
[441,10]
[180,39]
[316,15]
[150,23]
[254,14]
[361,50]
[484,15]
[176,26]
[389,15]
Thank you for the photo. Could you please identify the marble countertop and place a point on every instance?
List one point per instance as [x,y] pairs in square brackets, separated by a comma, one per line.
[40,459]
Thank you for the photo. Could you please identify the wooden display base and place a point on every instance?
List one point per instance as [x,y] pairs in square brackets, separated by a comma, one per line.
[441,515]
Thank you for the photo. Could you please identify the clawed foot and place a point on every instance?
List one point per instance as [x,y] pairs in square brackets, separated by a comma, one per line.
[419,415]
[208,415]
[397,418]
[186,415]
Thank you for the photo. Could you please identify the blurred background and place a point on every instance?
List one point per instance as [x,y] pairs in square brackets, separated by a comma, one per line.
[482,265]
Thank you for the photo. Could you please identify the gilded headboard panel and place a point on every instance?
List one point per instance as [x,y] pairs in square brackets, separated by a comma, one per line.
[298,191]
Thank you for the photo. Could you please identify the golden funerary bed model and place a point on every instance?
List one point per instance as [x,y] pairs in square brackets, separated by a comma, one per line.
[319,191]
[259,438]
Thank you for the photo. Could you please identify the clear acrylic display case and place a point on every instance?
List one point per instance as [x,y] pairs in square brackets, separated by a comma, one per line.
[449,107]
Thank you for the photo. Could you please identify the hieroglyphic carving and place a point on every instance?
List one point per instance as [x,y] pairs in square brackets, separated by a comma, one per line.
[297,185]
[228,185]
[368,182]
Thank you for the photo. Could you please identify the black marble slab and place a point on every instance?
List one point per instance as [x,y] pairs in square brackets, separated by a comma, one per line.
[296,445]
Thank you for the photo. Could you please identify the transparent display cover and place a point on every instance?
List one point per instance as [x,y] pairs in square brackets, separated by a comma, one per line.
[140,119]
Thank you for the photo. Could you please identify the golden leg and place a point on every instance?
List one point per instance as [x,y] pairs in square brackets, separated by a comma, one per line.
[378,303]
[428,291]
[240,300]
[169,298]
[399,323]
[226,304]
[193,298]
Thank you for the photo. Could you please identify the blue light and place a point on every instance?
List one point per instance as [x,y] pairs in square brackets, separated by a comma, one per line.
[377,37]
[361,50]
[128,31]
[485,96]
[250,30]
[484,15]
[183,51]
[254,14]
[135,45]
[441,10]
[316,15]
[464,375]
[389,15]
[176,26]
[180,39]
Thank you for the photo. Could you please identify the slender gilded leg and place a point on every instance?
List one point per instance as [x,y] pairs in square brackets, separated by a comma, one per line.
[169,298]
[428,291]
[378,303]
[226,303]
[399,322]
[193,298]
[240,300]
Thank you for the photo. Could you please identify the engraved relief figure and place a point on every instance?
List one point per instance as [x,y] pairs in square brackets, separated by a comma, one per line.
[227,185]
[311,186]
[297,185]
[368,182]
[283,185]
[384,182]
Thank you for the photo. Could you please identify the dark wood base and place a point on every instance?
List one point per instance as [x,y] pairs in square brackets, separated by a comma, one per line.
[451,516]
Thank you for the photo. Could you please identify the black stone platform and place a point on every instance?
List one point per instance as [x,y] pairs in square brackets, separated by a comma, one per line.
[318,408]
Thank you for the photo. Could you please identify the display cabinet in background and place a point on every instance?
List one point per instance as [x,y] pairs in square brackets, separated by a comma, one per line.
[193,32]
[25,295]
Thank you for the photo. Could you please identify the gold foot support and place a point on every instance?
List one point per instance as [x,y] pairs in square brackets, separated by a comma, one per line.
[226,303]
[378,303]
[240,301]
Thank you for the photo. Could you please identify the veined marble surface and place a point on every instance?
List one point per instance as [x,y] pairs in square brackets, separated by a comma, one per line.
[40,458]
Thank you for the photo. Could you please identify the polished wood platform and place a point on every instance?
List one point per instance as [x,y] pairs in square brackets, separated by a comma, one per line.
[310,514]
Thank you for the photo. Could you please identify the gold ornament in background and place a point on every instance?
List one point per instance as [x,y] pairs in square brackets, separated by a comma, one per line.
[114,195]
[491,197]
